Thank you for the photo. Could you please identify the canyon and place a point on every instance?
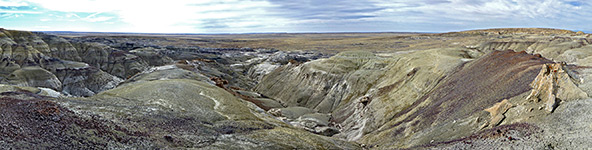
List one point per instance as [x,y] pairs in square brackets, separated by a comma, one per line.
[510,88]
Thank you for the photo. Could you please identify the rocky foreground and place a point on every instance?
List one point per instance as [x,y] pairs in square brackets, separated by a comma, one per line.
[481,89]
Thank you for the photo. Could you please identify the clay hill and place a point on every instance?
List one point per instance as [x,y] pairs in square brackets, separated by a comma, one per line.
[518,88]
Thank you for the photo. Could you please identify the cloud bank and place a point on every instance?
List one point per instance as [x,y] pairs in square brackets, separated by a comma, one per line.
[247,16]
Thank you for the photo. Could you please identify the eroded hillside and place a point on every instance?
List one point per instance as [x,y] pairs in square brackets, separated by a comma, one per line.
[494,88]
[451,96]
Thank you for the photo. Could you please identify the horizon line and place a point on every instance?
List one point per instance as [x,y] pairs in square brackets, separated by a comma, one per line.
[297,32]
[303,32]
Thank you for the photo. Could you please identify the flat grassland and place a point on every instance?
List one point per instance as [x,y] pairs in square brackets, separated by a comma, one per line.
[327,42]
[330,42]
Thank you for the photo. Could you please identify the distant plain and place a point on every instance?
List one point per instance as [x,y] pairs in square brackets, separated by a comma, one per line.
[327,42]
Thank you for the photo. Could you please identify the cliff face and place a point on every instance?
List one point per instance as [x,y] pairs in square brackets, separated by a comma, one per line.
[60,59]
[361,90]
[327,81]
[116,62]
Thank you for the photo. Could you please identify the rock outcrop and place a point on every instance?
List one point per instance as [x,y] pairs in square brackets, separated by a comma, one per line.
[553,85]
[497,112]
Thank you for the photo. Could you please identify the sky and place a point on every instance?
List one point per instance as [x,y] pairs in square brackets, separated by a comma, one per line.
[292,16]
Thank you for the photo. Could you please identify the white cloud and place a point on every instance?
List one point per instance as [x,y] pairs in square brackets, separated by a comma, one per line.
[207,16]
[167,15]
[96,19]
[468,14]
[477,10]
[53,28]
[12,3]
[18,12]
[6,16]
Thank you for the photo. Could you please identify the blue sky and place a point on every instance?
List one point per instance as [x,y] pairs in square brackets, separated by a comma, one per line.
[254,16]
